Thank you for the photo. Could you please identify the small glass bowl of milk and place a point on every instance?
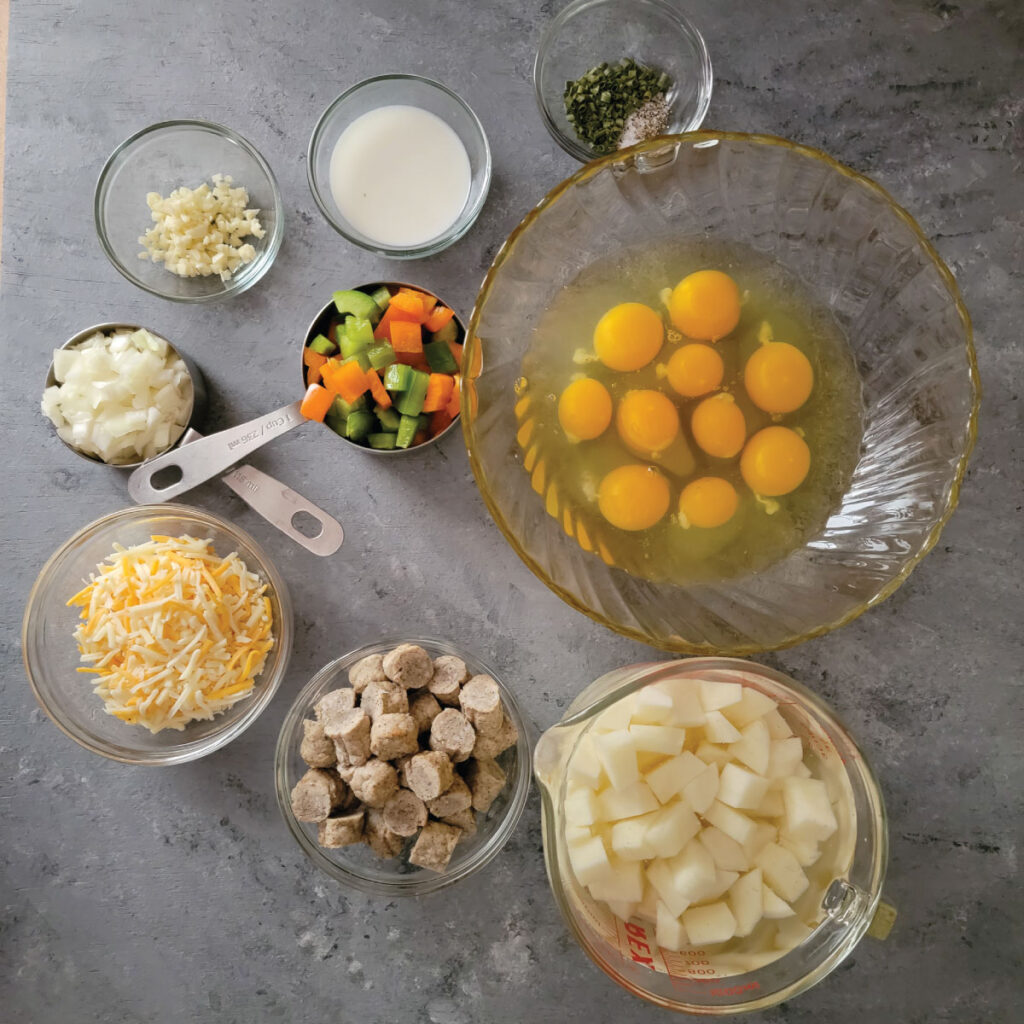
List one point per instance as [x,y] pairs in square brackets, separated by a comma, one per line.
[399,165]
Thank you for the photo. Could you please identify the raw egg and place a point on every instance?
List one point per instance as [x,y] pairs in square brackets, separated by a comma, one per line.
[775,461]
[719,427]
[707,502]
[694,370]
[585,409]
[705,305]
[633,497]
[778,377]
[628,336]
[647,421]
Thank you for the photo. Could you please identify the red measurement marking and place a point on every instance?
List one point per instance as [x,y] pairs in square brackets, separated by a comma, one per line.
[639,950]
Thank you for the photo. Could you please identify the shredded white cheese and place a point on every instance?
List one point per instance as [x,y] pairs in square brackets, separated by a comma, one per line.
[174,632]
[200,232]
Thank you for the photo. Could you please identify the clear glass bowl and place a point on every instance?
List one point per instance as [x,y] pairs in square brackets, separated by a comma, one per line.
[358,866]
[51,654]
[858,853]
[164,157]
[413,91]
[861,256]
[586,33]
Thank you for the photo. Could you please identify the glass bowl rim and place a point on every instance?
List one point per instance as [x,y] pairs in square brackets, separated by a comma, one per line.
[472,356]
[822,711]
[185,751]
[466,219]
[573,146]
[424,882]
[264,258]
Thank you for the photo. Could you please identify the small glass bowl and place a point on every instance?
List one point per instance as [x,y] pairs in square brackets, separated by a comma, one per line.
[413,91]
[196,379]
[320,325]
[164,157]
[655,33]
[51,654]
[358,866]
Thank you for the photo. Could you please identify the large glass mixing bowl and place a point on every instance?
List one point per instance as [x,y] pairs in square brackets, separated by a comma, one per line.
[860,255]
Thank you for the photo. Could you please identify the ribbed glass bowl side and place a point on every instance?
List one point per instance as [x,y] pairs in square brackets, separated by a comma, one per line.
[859,254]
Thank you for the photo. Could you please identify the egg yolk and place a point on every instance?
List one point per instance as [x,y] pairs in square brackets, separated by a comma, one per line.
[707,502]
[719,427]
[705,305]
[647,421]
[585,409]
[628,336]
[694,370]
[633,497]
[778,377]
[775,461]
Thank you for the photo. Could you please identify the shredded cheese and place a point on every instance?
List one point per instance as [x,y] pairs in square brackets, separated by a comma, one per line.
[174,632]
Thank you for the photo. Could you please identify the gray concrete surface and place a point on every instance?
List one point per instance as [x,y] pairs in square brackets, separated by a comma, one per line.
[177,895]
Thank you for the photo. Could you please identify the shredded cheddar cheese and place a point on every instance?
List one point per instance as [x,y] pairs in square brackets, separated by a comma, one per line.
[173,632]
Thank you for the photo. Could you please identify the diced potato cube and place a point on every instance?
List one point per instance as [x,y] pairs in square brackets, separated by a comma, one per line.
[584,766]
[617,755]
[746,901]
[718,728]
[660,739]
[689,712]
[785,755]
[659,874]
[589,861]
[772,805]
[710,924]
[752,705]
[575,834]
[778,727]
[693,872]
[774,906]
[670,777]
[700,792]
[653,705]
[781,871]
[615,804]
[673,827]
[805,851]
[621,909]
[647,761]
[647,908]
[669,932]
[801,771]
[717,695]
[711,753]
[791,933]
[723,883]
[616,717]
[762,836]
[623,880]
[809,815]
[753,748]
[631,838]
[734,824]
[740,788]
[581,805]
[725,851]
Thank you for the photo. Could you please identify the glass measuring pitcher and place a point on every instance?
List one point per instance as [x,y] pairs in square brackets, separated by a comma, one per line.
[736,976]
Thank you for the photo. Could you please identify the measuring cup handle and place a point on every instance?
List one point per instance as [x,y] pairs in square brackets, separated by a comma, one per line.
[201,460]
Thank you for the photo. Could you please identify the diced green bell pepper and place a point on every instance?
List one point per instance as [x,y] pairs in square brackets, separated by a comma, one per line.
[382,441]
[323,345]
[358,335]
[406,431]
[398,377]
[342,409]
[389,419]
[358,304]
[381,355]
[440,358]
[450,332]
[410,403]
[359,424]
[359,357]
[381,296]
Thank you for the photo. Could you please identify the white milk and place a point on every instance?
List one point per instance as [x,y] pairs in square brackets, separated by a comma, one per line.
[400,175]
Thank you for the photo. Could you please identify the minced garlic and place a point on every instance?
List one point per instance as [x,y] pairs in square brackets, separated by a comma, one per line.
[199,232]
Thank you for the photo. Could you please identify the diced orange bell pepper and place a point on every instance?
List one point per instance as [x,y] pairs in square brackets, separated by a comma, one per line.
[314,362]
[439,392]
[456,351]
[429,301]
[406,337]
[454,406]
[348,381]
[439,421]
[377,389]
[408,302]
[438,318]
[316,403]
